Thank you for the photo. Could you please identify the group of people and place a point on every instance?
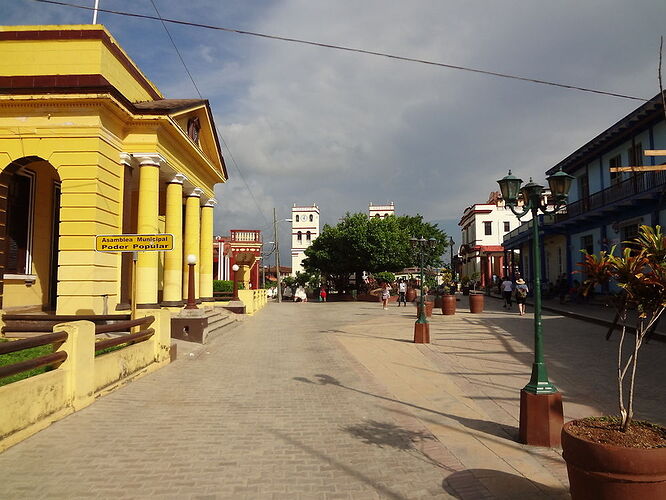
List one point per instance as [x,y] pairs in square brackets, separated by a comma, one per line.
[385,293]
[300,295]
[518,290]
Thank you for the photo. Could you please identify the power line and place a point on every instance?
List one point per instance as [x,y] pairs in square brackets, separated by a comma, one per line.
[233,160]
[352,49]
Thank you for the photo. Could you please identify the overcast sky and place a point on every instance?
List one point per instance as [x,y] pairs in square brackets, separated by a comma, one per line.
[308,124]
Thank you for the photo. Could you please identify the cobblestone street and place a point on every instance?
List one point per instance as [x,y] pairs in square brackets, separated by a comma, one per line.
[332,401]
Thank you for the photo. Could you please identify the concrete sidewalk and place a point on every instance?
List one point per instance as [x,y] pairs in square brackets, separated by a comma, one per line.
[333,400]
[595,312]
[465,385]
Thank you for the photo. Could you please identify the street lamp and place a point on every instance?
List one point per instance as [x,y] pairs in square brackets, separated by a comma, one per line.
[540,402]
[277,254]
[235,269]
[451,243]
[422,328]
[191,300]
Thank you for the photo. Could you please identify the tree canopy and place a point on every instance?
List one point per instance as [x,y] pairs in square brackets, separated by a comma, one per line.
[359,243]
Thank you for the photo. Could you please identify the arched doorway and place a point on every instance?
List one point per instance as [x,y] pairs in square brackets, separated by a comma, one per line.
[30,210]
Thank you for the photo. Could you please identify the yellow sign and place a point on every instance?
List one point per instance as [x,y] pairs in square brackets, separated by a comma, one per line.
[134,242]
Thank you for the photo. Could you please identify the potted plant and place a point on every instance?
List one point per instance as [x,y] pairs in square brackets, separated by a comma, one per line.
[619,457]
[465,285]
[476,301]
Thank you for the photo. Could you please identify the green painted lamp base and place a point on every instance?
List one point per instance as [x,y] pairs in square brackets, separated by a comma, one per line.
[539,383]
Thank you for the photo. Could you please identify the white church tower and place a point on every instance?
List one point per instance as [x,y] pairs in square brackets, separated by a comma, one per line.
[304,230]
[381,211]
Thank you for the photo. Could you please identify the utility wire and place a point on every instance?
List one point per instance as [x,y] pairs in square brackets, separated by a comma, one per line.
[352,49]
[233,160]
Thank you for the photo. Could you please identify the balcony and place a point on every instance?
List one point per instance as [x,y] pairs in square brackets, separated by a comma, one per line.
[638,186]
[245,236]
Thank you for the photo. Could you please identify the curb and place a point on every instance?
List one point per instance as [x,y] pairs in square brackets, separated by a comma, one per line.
[656,336]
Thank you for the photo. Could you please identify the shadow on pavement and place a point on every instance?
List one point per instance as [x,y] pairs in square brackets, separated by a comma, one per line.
[348,469]
[385,434]
[485,426]
[356,334]
[463,484]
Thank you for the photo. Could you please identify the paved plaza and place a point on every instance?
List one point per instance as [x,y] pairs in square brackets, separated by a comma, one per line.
[309,401]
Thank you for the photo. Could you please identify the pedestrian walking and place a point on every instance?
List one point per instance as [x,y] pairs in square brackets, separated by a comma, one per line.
[521,295]
[402,292]
[322,294]
[385,294]
[507,291]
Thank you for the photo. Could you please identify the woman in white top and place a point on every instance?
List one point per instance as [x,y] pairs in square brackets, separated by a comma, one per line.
[300,294]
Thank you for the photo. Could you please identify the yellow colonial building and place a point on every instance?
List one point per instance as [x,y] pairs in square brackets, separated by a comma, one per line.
[89,146]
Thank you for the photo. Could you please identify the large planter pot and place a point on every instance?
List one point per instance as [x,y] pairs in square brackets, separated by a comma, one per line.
[608,472]
[448,305]
[428,308]
[475,303]
[411,294]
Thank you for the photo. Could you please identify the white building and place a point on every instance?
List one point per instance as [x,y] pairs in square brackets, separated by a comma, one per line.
[483,226]
[304,230]
[381,211]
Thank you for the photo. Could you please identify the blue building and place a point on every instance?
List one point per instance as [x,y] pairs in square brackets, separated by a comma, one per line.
[604,208]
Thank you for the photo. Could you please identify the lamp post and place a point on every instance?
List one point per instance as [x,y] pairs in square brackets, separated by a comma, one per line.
[540,402]
[422,328]
[235,269]
[277,254]
[451,243]
[191,300]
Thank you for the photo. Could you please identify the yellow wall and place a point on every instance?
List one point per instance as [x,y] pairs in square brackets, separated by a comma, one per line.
[83,137]
[70,57]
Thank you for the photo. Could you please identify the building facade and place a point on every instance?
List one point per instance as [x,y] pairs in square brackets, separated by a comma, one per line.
[304,230]
[381,211]
[89,146]
[605,208]
[483,226]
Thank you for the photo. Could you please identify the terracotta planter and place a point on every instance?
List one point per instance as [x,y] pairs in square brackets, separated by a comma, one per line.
[428,308]
[411,294]
[475,303]
[607,472]
[448,305]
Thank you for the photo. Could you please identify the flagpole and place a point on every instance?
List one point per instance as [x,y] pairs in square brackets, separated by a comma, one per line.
[95,12]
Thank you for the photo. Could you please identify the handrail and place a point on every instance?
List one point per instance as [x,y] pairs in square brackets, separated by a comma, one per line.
[632,186]
[122,326]
[64,317]
[46,327]
[49,359]
[125,339]
[19,345]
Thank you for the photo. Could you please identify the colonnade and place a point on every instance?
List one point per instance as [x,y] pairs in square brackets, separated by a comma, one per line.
[191,236]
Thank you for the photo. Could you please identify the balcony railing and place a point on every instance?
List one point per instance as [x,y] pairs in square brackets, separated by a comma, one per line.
[246,235]
[636,184]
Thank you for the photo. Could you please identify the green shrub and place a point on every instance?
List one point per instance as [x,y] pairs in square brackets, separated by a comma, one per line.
[223,286]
